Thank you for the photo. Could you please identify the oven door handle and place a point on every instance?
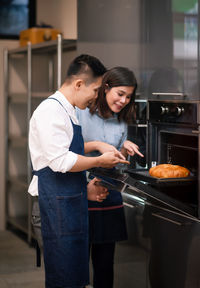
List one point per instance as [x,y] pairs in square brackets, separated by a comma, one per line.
[131,205]
[169,220]
[195,131]
[168,94]
[139,125]
[128,205]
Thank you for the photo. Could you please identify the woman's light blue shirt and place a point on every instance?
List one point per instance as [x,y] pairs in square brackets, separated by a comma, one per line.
[96,128]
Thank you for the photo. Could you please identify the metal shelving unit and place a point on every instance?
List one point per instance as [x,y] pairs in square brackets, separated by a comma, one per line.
[32,73]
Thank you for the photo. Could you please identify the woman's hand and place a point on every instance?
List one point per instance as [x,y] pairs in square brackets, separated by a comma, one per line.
[131,149]
[96,192]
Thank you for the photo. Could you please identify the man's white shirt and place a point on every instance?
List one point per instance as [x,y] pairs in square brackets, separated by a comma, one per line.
[50,136]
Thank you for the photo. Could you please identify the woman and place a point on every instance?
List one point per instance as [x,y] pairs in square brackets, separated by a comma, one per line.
[106,121]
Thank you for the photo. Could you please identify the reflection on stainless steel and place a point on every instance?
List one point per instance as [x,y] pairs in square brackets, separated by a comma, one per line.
[195,131]
[132,197]
[167,219]
[129,205]
[172,49]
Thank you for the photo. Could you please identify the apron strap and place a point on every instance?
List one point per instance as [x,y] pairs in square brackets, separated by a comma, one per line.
[57,101]
[61,105]
[34,172]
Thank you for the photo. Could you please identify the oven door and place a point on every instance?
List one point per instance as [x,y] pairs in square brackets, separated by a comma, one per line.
[172,257]
[162,249]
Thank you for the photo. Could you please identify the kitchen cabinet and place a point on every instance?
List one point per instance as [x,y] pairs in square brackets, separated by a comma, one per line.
[171,29]
[32,73]
[115,36]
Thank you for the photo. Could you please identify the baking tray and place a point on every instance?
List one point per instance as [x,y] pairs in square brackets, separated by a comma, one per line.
[143,175]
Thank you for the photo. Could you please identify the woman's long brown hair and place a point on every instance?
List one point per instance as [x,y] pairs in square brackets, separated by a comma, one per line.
[115,77]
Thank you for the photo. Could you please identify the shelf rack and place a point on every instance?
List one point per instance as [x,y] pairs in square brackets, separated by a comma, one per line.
[24,70]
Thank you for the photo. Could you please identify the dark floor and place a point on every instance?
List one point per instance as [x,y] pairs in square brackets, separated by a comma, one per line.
[18,265]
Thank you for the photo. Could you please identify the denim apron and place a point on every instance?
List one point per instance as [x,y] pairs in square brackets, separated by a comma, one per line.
[103,217]
[64,222]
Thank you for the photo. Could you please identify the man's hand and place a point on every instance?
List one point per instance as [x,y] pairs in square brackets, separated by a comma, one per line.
[111,159]
[102,147]
[96,192]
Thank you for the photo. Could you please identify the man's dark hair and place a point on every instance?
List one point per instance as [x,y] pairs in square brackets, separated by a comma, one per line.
[86,64]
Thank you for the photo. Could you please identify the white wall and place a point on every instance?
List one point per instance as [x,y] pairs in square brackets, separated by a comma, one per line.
[61,14]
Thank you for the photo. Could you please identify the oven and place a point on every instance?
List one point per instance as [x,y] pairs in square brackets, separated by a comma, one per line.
[169,214]
[173,128]
[162,215]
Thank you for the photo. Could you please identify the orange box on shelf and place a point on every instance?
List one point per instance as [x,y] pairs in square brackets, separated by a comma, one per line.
[37,35]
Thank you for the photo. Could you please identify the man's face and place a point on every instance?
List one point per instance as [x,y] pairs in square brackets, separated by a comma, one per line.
[88,93]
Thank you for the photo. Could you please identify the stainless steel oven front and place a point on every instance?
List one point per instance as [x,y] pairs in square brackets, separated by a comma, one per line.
[173,128]
[164,221]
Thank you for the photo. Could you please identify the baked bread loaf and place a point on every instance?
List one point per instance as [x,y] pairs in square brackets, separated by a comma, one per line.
[169,171]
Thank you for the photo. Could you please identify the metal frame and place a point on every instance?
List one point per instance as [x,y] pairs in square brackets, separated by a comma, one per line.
[6,125]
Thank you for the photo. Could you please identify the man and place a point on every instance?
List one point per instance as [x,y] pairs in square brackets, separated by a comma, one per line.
[57,155]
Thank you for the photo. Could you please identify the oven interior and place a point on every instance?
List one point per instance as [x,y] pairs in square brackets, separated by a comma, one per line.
[180,149]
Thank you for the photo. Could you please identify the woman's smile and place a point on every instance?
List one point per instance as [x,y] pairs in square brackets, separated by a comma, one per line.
[119,106]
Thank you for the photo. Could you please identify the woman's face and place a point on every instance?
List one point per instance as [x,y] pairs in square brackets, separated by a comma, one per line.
[118,97]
